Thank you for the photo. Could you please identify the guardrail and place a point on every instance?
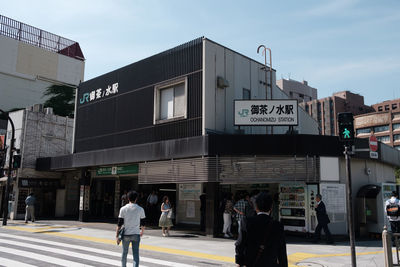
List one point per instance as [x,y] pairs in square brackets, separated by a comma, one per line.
[40,38]
[387,247]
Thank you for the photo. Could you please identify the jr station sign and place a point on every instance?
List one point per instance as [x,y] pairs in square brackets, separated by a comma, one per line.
[266,112]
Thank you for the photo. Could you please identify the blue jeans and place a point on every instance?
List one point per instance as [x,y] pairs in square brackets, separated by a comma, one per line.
[135,240]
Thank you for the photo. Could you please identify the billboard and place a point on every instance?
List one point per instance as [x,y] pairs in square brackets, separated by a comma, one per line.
[277,112]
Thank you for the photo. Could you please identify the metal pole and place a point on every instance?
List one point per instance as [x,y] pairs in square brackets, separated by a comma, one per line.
[8,184]
[349,197]
[266,73]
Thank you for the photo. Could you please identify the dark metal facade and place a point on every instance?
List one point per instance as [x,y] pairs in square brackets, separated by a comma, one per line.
[126,118]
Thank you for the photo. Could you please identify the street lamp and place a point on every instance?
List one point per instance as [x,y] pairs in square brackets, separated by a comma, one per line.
[11,147]
[264,51]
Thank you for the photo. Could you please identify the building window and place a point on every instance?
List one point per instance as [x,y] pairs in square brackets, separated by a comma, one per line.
[396,116]
[397,147]
[170,101]
[363,131]
[301,95]
[384,139]
[307,108]
[396,126]
[246,94]
[396,137]
[382,128]
[394,106]
[380,108]
[387,107]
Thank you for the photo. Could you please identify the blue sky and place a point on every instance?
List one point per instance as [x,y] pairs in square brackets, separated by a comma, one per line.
[334,45]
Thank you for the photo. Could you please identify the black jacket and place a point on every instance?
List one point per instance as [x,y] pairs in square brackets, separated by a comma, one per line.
[322,217]
[253,232]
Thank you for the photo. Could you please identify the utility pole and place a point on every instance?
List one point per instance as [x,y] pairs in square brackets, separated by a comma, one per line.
[349,198]
[266,72]
[8,184]
[346,135]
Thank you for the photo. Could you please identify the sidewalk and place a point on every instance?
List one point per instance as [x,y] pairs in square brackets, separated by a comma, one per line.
[190,243]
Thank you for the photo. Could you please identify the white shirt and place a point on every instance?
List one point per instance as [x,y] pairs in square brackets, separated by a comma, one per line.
[132,213]
[393,200]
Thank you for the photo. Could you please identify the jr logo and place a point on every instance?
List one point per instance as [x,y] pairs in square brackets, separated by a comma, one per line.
[85,98]
[244,113]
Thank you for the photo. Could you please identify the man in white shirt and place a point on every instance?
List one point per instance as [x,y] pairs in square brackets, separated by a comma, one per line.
[393,213]
[131,216]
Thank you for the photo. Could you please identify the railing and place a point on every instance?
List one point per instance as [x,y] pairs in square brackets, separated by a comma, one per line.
[37,37]
[387,247]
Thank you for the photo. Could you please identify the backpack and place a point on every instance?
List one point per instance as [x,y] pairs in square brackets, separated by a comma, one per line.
[392,209]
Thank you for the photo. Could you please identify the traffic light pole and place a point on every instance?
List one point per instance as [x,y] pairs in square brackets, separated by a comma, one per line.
[8,184]
[349,198]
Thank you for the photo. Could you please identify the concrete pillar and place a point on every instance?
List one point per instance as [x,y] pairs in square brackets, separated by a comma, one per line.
[211,220]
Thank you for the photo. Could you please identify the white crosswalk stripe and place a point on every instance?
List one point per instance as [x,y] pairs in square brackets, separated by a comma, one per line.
[100,251]
[42,257]
[47,247]
[8,262]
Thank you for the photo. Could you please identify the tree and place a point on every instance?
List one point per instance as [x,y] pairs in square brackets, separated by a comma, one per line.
[397,173]
[61,99]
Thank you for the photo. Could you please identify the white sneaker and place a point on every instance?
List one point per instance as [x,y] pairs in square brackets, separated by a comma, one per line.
[226,236]
[164,235]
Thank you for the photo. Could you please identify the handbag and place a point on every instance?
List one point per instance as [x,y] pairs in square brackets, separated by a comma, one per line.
[121,233]
[170,214]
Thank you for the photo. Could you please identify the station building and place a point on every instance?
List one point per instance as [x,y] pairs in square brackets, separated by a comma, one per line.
[166,123]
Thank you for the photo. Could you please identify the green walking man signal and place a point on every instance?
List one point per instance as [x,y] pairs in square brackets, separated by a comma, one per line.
[346,127]
[346,133]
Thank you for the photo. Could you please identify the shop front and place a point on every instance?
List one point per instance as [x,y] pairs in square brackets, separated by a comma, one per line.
[47,192]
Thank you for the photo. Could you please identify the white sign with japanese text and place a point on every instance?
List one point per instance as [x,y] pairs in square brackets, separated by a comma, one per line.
[266,112]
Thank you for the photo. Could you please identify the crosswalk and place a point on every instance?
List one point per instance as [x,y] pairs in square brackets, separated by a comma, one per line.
[26,251]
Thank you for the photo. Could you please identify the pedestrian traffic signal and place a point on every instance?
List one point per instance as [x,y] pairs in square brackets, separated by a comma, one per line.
[346,127]
[16,161]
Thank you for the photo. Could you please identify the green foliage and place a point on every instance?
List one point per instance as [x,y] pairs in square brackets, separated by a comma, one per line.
[61,99]
[397,173]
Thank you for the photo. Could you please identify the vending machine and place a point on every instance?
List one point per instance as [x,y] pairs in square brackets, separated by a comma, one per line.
[297,206]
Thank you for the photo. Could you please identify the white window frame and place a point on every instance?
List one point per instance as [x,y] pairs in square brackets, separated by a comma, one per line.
[157,98]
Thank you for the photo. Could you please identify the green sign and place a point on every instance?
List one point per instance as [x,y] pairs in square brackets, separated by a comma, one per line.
[117,170]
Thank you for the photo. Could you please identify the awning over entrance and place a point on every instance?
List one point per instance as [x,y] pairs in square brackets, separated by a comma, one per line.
[369,191]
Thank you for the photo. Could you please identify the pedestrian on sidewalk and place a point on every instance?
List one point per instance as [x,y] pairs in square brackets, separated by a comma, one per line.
[227,215]
[124,199]
[131,217]
[261,241]
[240,209]
[323,221]
[165,221]
[152,201]
[30,207]
[393,214]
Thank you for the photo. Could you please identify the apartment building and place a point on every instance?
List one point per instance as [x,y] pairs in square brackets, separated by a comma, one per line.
[325,110]
[384,123]
[297,90]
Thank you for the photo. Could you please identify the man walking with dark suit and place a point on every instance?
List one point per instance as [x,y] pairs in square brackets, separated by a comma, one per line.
[261,241]
[323,221]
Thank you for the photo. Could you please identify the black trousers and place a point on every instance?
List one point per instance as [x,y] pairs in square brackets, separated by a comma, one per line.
[318,229]
[395,225]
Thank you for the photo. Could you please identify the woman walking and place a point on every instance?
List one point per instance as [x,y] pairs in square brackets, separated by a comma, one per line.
[165,221]
[228,211]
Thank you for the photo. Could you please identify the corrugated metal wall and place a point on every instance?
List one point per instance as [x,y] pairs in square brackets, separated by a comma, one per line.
[231,170]
[126,118]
